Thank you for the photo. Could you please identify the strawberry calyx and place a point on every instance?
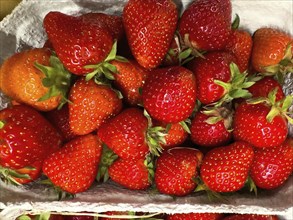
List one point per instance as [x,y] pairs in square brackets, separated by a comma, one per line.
[103,71]
[236,87]
[61,194]
[249,184]
[236,22]
[57,79]
[149,163]
[8,175]
[284,67]
[194,51]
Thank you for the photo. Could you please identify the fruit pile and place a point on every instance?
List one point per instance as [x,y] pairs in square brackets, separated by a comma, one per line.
[154,98]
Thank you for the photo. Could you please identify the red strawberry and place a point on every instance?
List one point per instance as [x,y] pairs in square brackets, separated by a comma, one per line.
[263,87]
[226,168]
[272,166]
[195,216]
[129,79]
[26,137]
[77,43]
[211,130]
[132,174]
[149,27]
[176,170]
[206,24]
[91,105]
[74,167]
[33,172]
[169,94]
[251,217]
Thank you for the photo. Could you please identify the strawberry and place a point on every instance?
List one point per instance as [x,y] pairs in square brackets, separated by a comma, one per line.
[129,79]
[262,122]
[272,166]
[264,86]
[206,24]
[272,51]
[195,216]
[91,105]
[169,94]
[77,41]
[226,168]
[34,77]
[211,129]
[176,170]
[132,174]
[150,26]
[74,167]
[251,217]
[78,217]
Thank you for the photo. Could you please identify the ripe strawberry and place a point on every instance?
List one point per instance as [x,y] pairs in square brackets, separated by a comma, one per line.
[269,48]
[129,79]
[132,174]
[26,137]
[251,217]
[262,124]
[60,119]
[226,168]
[195,216]
[206,24]
[34,77]
[169,94]
[77,42]
[176,170]
[211,129]
[264,86]
[273,166]
[74,167]
[91,105]
[33,172]
[149,27]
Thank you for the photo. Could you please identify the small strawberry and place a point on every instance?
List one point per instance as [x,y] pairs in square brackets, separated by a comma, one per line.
[206,24]
[150,26]
[132,174]
[74,167]
[169,94]
[226,168]
[176,170]
[251,217]
[195,216]
[272,51]
[35,77]
[91,105]
[272,166]
[211,128]
[78,43]
[262,122]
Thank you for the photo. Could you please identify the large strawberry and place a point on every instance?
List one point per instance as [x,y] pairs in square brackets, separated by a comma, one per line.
[77,41]
[149,27]
[195,216]
[206,24]
[272,166]
[169,94]
[74,167]
[176,170]
[226,168]
[91,105]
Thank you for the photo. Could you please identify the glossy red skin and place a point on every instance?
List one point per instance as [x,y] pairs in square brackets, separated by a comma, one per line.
[195,216]
[125,134]
[226,168]
[263,87]
[175,171]
[27,137]
[150,26]
[208,135]
[132,174]
[250,125]
[214,66]
[251,217]
[91,105]
[74,167]
[169,94]
[272,166]
[208,24]
[77,43]
[33,173]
